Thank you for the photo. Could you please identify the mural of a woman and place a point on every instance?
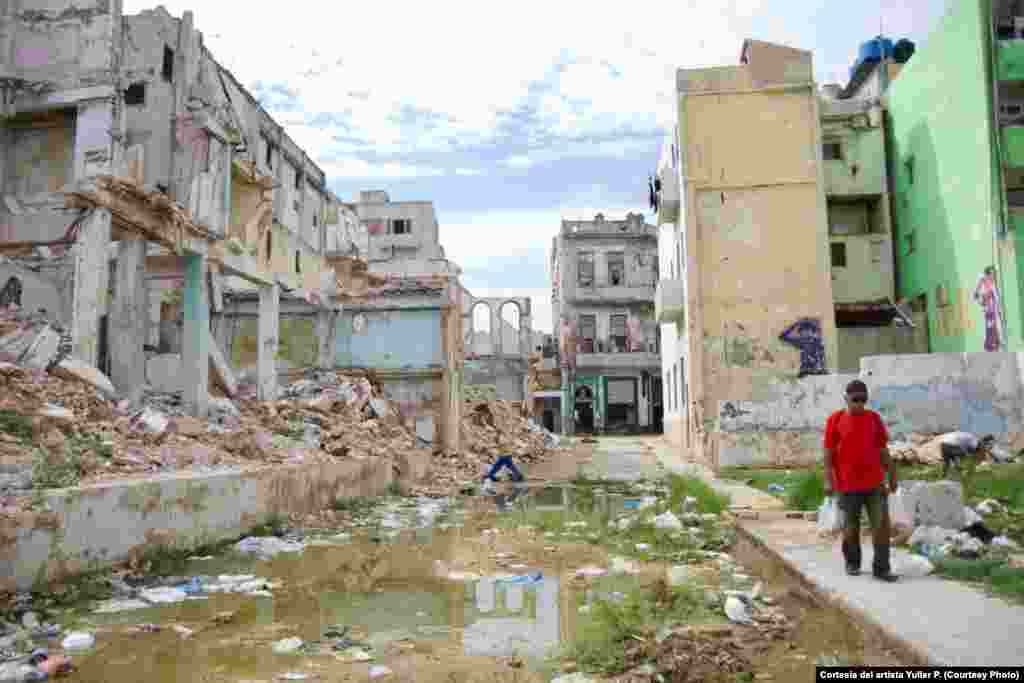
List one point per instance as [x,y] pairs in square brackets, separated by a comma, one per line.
[986,294]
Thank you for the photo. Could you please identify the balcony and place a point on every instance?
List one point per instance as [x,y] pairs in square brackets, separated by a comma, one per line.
[668,198]
[599,360]
[630,292]
[1011,60]
[670,302]
[1013,146]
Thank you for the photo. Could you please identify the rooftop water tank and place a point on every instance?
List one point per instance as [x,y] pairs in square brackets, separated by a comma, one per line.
[874,50]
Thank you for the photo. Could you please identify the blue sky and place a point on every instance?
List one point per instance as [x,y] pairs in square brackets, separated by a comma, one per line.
[508,116]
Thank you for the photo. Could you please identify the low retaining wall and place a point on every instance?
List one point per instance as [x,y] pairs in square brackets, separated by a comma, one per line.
[926,393]
[90,528]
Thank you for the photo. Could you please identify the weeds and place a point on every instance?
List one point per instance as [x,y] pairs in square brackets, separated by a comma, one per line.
[708,499]
[807,492]
[992,573]
[56,472]
[353,504]
[603,634]
[802,490]
[276,525]
[16,424]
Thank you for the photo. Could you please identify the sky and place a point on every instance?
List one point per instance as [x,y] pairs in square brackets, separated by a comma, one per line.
[508,117]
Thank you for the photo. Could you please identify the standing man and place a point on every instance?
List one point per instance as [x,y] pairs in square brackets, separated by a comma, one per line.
[856,463]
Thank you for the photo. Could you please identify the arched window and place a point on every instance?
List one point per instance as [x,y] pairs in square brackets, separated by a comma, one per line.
[482,318]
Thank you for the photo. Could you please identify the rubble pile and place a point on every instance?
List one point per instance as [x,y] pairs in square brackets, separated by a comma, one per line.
[926,449]
[61,423]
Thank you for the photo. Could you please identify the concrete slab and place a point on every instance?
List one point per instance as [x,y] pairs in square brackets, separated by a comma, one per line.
[947,623]
[89,528]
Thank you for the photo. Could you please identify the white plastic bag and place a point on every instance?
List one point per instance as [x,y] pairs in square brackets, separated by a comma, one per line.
[915,567]
[830,518]
[899,512]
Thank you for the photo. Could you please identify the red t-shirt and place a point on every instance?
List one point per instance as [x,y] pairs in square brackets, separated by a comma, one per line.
[856,442]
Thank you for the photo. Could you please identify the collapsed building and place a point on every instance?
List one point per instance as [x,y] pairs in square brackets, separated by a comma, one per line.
[155,211]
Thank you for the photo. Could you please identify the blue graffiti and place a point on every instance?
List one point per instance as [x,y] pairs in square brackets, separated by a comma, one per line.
[805,334]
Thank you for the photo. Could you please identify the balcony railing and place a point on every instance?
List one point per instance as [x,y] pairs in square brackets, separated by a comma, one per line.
[612,346]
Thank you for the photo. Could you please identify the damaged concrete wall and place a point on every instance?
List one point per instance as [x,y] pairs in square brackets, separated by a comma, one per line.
[856,343]
[756,235]
[976,392]
[389,339]
[378,214]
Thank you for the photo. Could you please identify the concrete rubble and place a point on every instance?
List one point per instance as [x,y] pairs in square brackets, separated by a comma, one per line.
[66,426]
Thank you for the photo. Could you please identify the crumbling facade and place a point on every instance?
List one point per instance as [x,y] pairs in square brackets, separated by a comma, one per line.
[747,300]
[399,238]
[498,338]
[140,182]
[603,281]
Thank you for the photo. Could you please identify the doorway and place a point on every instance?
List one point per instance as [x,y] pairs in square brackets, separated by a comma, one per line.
[585,409]
[549,420]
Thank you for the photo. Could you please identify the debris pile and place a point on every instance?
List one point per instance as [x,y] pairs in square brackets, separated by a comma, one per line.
[926,449]
[61,423]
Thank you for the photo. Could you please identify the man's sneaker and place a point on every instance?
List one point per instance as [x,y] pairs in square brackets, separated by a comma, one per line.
[852,571]
[888,577]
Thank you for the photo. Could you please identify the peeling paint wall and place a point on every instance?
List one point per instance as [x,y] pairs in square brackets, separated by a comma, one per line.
[755,229]
[389,339]
[856,343]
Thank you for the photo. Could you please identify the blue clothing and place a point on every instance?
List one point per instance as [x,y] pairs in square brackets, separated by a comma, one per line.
[503,462]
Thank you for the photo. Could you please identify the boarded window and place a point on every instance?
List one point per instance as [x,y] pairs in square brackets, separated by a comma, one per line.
[618,333]
[135,95]
[401,226]
[585,269]
[168,67]
[832,151]
[588,330]
[616,268]
[838,254]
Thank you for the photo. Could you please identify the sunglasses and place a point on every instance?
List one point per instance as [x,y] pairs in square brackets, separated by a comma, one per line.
[858,399]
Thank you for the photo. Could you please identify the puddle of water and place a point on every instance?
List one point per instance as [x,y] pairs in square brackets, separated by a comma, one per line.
[382,580]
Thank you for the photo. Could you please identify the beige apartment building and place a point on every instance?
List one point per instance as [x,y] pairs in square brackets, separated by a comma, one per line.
[745,301]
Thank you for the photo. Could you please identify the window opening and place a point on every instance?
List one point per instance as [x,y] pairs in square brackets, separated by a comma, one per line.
[135,95]
[588,330]
[617,268]
[838,254]
[585,268]
[168,65]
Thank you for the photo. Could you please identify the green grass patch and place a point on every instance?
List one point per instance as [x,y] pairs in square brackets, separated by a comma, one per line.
[275,525]
[16,424]
[992,573]
[604,633]
[708,499]
[802,489]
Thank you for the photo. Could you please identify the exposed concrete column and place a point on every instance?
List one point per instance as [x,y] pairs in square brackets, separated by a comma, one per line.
[266,354]
[129,315]
[195,349]
[326,327]
[92,278]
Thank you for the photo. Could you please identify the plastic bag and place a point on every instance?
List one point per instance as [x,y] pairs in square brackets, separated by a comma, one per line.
[899,512]
[830,518]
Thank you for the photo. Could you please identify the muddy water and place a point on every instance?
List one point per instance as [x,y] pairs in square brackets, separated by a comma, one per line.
[391,582]
[433,592]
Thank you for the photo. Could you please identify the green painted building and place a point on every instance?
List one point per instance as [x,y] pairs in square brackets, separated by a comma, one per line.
[956,154]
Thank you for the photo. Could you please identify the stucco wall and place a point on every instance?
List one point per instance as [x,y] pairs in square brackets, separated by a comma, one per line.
[391,339]
[856,343]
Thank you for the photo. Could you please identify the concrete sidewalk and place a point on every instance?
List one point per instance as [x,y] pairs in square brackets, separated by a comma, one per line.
[945,623]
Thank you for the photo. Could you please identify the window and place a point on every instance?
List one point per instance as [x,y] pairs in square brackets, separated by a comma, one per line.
[908,166]
[616,268]
[585,269]
[401,226]
[135,95]
[270,153]
[168,66]
[298,261]
[618,333]
[588,330]
[832,151]
[910,242]
[298,179]
[838,254]
[270,245]
[876,252]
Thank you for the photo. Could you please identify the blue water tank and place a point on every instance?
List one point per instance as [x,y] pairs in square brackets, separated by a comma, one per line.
[873,50]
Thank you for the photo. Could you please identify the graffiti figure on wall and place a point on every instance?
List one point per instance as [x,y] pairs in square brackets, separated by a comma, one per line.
[986,294]
[805,334]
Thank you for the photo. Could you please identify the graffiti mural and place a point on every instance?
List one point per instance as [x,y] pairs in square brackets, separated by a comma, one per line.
[805,334]
[986,294]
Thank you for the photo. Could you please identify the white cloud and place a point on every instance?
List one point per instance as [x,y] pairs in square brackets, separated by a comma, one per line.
[468,171]
[519,161]
[358,168]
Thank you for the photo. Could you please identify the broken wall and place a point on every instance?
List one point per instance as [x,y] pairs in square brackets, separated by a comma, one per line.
[856,343]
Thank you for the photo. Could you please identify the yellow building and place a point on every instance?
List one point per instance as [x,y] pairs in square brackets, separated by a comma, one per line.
[745,299]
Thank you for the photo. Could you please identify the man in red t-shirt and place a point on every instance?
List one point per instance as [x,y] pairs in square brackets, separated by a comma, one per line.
[856,462]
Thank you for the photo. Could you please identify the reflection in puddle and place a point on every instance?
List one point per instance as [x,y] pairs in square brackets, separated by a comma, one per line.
[513,619]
